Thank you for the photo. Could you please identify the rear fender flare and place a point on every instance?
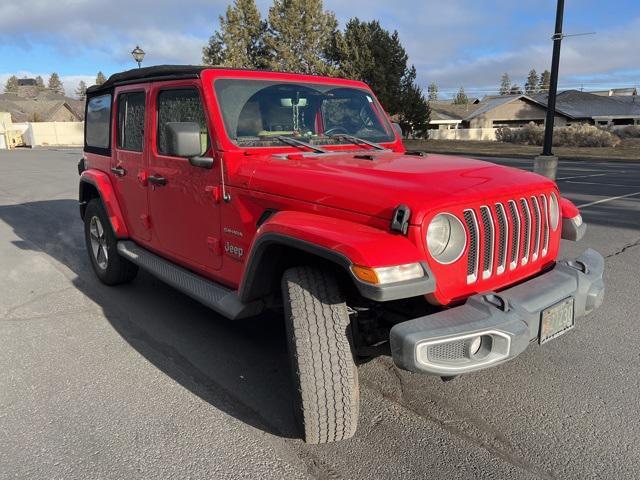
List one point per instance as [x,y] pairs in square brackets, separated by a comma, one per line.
[101,182]
[339,241]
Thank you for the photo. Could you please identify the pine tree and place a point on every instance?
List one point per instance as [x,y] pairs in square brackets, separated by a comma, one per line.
[100,78]
[240,41]
[55,84]
[531,85]
[461,98]
[40,83]
[368,52]
[301,36]
[12,85]
[81,91]
[515,89]
[545,82]
[433,92]
[505,84]
[415,113]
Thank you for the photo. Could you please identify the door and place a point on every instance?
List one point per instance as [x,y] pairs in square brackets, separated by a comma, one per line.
[128,163]
[185,215]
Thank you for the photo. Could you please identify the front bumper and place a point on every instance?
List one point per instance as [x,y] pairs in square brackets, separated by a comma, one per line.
[439,344]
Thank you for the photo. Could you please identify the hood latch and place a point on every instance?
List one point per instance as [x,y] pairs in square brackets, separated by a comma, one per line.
[400,220]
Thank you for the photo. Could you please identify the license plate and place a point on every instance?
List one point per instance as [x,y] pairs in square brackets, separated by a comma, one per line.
[556,320]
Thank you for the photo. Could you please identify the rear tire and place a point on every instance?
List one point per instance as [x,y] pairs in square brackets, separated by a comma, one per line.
[325,375]
[101,242]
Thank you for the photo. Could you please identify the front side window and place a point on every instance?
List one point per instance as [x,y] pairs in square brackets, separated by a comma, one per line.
[182,105]
[97,120]
[131,107]
[255,112]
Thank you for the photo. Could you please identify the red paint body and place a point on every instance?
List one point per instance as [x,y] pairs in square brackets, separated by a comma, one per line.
[335,200]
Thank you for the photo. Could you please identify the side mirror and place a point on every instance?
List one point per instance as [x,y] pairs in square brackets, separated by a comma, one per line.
[183,139]
[398,129]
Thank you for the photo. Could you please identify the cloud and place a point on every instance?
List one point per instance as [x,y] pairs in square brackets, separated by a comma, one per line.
[609,56]
[451,42]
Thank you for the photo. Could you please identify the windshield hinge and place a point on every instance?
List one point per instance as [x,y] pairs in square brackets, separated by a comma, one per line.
[400,220]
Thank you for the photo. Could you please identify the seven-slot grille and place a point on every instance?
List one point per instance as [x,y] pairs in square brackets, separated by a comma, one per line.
[506,235]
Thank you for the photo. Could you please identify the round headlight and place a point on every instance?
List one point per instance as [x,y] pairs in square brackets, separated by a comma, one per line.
[554,212]
[446,238]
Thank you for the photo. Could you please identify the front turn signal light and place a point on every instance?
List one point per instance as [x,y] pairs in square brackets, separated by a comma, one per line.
[385,275]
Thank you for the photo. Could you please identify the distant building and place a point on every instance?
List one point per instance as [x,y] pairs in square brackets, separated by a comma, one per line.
[43,109]
[36,104]
[27,82]
[493,112]
[572,106]
[616,92]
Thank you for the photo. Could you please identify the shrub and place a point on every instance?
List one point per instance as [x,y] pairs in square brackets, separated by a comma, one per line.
[572,136]
[530,134]
[628,132]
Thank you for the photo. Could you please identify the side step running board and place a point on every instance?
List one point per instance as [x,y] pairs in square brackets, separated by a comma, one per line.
[215,296]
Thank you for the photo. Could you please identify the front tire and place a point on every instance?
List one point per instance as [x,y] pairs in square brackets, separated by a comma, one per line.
[101,242]
[325,375]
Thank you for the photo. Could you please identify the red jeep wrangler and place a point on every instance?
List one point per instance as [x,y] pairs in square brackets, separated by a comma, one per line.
[250,190]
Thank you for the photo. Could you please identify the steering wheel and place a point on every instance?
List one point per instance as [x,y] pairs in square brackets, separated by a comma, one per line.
[333,130]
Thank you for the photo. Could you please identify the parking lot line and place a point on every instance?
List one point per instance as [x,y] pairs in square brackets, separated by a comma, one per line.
[604,184]
[584,176]
[604,200]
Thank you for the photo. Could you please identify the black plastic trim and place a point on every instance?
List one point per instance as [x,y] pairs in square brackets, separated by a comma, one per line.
[219,298]
[571,232]
[253,284]
[400,219]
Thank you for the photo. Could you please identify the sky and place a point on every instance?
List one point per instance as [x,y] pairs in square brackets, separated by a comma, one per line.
[453,43]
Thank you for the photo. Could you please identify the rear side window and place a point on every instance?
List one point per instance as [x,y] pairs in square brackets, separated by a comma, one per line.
[131,121]
[182,105]
[97,120]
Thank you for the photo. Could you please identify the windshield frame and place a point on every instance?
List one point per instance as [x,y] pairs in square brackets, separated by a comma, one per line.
[224,140]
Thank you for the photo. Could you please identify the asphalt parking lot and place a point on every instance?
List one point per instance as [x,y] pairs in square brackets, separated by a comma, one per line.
[140,381]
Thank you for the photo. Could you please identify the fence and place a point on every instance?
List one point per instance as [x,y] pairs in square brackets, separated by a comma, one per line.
[54,134]
[486,134]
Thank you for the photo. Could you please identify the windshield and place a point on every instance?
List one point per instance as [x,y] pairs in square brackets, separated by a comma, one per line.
[256,112]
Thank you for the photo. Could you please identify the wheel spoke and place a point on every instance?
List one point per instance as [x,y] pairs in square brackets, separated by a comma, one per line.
[105,254]
[100,229]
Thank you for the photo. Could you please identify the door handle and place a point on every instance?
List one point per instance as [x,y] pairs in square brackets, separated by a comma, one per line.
[118,171]
[159,181]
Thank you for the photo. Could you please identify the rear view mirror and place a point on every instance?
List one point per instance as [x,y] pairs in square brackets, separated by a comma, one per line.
[183,139]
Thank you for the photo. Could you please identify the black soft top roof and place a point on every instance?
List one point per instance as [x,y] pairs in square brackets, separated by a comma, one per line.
[158,72]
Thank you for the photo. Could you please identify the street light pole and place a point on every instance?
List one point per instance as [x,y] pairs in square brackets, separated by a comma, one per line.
[553,86]
[547,164]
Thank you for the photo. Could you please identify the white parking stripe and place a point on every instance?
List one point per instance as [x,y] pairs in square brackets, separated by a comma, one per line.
[604,184]
[590,204]
[584,176]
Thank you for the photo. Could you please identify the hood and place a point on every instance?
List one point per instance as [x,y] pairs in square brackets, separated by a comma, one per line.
[378,185]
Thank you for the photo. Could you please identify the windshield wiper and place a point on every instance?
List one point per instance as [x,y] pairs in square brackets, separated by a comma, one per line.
[294,142]
[362,141]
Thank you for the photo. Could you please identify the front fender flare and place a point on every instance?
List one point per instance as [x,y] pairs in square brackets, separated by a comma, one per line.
[573,228]
[102,183]
[341,242]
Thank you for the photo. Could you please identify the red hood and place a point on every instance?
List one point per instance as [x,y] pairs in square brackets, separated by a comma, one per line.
[375,187]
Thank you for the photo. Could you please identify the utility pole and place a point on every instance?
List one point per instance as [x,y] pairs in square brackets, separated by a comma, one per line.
[547,164]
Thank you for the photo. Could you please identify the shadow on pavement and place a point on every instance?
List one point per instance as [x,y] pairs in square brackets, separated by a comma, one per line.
[238,367]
